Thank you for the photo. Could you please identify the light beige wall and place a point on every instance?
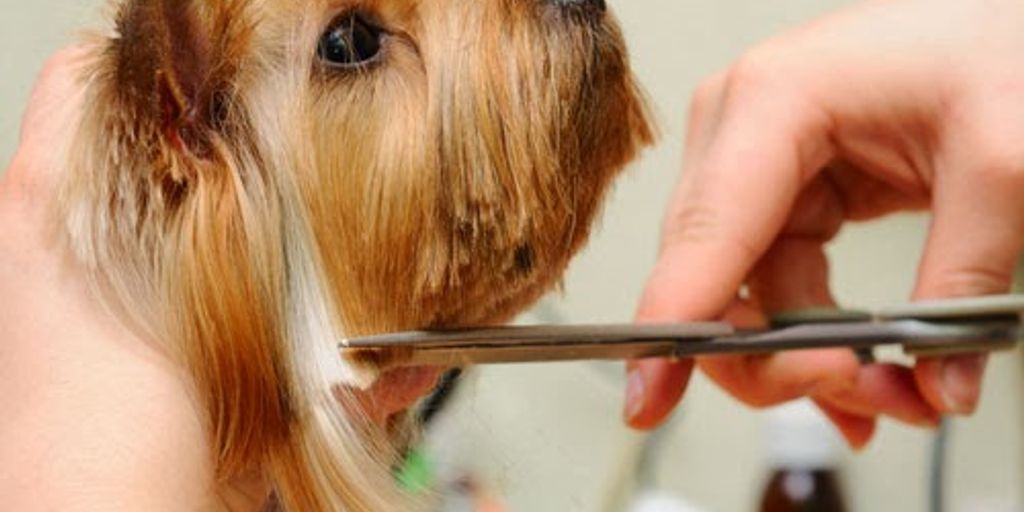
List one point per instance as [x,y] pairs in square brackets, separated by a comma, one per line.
[29,32]
[550,436]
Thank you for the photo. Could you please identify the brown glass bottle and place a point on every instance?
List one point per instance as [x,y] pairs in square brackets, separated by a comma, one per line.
[802,457]
[799,490]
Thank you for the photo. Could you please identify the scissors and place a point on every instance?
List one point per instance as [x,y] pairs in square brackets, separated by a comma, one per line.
[931,328]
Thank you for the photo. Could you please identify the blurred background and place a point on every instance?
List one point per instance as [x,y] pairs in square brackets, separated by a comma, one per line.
[549,437]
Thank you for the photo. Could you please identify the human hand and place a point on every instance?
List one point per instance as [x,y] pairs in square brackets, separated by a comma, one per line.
[884,107]
[80,389]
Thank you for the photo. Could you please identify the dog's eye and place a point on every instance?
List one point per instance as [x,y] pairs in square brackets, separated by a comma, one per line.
[349,41]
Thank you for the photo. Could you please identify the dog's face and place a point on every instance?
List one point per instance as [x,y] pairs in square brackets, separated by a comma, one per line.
[461,148]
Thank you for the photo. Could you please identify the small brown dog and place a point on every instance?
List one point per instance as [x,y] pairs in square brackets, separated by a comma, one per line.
[253,180]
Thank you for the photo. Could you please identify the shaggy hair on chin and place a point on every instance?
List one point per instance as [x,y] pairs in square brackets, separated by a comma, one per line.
[244,202]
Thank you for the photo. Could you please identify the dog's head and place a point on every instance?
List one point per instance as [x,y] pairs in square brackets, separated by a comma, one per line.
[449,155]
[259,176]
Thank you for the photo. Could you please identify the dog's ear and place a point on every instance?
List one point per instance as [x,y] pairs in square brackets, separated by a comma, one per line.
[210,241]
[178,59]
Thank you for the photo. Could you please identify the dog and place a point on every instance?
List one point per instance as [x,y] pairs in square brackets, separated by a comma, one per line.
[252,181]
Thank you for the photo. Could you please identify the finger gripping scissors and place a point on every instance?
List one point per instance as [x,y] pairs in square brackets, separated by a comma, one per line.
[931,328]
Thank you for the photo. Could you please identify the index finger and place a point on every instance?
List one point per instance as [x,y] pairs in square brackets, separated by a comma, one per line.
[748,162]
[735,195]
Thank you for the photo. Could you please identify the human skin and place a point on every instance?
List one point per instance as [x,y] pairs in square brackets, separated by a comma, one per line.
[96,418]
[883,107]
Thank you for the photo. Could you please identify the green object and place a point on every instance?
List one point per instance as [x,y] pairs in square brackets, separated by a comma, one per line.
[416,473]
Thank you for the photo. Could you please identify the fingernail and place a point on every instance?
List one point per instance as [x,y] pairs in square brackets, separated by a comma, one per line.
[961,383]
[634,395]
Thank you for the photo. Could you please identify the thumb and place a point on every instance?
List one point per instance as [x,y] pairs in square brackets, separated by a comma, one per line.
[972,249]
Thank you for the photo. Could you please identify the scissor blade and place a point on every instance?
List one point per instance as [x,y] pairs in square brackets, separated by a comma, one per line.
[540,343]
[619,342]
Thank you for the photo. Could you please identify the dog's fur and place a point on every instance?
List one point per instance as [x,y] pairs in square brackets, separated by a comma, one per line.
[247,207]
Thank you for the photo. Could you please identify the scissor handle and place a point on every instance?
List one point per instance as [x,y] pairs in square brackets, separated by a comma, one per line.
[986,324]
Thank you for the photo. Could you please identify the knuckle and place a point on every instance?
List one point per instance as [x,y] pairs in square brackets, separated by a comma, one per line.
[739,376]
[707,91]
[704,103]
[977,279]
[757,70]
[695,225]
[1002,164]
[987,138]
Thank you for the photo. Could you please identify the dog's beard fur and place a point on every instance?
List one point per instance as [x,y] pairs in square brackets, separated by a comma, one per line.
[247,207]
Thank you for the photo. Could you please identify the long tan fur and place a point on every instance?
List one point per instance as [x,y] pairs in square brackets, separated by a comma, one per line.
[246,207]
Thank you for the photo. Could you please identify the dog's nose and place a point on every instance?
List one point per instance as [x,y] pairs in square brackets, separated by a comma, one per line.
[597,5]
